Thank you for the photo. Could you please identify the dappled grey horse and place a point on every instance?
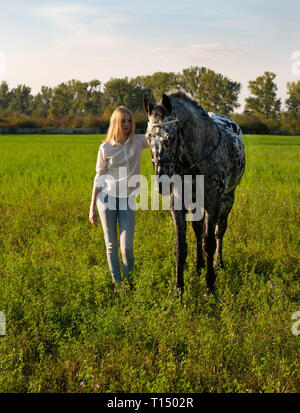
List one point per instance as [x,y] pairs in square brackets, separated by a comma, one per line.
[186,140]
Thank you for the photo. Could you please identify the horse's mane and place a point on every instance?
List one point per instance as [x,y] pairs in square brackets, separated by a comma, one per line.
[181,94]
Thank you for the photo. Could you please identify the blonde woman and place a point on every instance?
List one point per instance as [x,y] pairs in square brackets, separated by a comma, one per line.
[119,158]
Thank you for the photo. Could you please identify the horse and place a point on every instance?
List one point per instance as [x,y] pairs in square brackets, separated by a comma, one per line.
[187,140]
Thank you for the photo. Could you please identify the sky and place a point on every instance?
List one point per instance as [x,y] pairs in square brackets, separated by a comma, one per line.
[45,42]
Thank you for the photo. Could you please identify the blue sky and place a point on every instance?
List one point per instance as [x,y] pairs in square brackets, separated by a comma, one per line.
[47,42]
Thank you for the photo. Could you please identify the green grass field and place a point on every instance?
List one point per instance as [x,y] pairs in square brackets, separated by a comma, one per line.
[66,330]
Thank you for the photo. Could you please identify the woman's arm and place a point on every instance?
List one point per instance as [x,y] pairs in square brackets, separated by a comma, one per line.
[93,213]
[101,168]
[143,141]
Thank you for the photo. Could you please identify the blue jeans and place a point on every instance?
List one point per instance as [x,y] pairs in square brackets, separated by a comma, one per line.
[126,218]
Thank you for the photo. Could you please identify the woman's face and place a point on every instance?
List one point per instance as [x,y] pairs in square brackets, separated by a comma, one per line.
[126,123]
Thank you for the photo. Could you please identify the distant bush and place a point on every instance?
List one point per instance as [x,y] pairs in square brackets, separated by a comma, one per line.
[76,122]
[290,121]
[21,121]
[272,124]
[27,123]
[250,123]
[97,123]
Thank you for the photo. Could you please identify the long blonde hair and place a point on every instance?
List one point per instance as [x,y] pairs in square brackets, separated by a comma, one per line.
[115,125]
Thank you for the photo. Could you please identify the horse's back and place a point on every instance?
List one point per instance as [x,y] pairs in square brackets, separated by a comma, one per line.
[234,151]
[227,124]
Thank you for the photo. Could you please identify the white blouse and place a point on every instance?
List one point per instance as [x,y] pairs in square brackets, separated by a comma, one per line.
[116,163]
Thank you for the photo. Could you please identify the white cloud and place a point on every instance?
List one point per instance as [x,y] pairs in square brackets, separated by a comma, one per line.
[209,47]
[83,41]
[215,51]
[202,54]
[155,50]
[81,26]
[73,16]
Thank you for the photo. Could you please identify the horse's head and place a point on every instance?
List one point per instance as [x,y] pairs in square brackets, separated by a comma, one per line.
[162,135]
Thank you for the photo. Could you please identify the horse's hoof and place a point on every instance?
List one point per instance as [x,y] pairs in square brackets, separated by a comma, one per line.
[209,291]
[179,290]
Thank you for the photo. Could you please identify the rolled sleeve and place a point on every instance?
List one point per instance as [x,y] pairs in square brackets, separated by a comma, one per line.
[101,167]
[143,141]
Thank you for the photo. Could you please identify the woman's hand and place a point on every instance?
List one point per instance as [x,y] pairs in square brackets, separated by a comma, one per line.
[93,217]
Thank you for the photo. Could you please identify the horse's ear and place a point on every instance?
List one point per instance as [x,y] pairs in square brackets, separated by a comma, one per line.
[167,103]
[146,103]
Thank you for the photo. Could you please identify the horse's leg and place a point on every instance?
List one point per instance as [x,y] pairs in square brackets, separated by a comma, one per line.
[227,203]
[198,230]
[209,240]
[218,261]
[180,248]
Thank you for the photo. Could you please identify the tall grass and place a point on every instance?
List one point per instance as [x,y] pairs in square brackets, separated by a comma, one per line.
[67,331]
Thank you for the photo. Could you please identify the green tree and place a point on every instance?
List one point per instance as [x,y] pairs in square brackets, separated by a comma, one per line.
[190,79]
[41,102]
[217,93]
[21,100]
[95,104]
[213,91]
[80,97]
[61,101]
[5,95]
[159,83]
[123,92]
[264,102]
[293,101]
[77,99]
[139,83]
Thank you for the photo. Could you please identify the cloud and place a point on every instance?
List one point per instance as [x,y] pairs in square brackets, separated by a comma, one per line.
[81,26]
[95,32]
[208,47]
[80,42]
[214,51]
[68,17]
[204,54]
[156,50]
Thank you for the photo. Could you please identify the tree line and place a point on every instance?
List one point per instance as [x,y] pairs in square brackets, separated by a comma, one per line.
[76,104]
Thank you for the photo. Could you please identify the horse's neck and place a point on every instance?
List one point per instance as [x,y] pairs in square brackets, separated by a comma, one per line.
[200,132]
